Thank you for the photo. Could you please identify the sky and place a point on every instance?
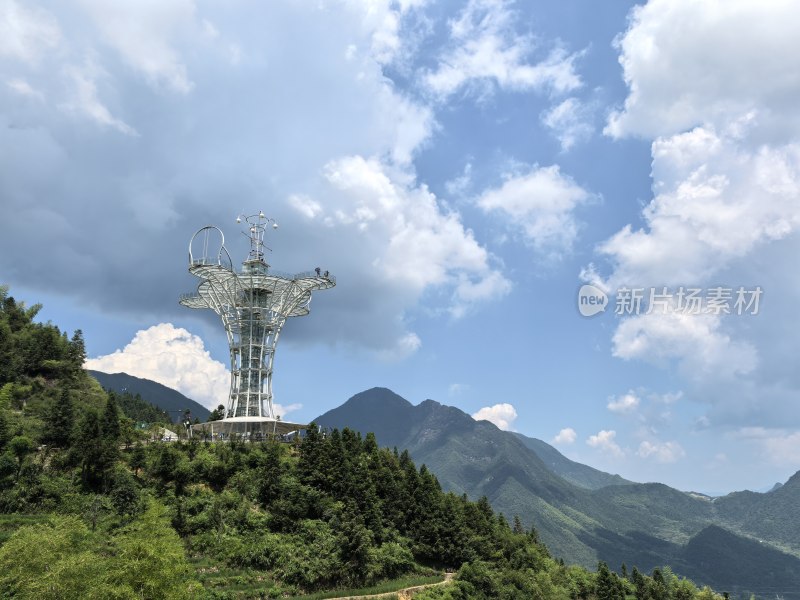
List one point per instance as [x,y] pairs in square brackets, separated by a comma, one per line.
[463,169]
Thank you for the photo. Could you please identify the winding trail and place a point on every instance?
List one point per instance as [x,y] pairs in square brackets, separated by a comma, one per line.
[403,594]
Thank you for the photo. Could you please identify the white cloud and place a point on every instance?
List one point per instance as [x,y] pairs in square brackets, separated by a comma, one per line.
[459,185]
[542,203]
[127,69]
[26,33]
[662,452]
[695,341]
[603,440]
[141,32]
[390,27]
[503,415]
[305,206]
[570,122]
[407,238]
[716,200]
[783,449]
[85,101]
[779,446]
[624,404]
[706,73]
[726,183]
[406,345]
[486,49]
[23,88]
[173,357]
[566,436]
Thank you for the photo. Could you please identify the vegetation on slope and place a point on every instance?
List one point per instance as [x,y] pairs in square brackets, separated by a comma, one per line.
[90,511]
[644,524]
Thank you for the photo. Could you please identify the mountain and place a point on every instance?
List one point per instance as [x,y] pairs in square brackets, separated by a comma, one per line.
[161,396]
[579,518]
[770,516]
[574,472]
[742,566]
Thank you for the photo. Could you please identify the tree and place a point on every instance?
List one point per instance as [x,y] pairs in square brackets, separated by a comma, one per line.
[110,428]
[607,585]
[20,447]
[518,528]
[89,451]
[60,421]
[217,414]
[77,351]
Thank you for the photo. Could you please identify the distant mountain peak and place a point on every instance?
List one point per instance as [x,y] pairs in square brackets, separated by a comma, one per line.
[153,392]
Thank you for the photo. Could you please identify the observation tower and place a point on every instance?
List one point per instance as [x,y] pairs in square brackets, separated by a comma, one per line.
[253,303]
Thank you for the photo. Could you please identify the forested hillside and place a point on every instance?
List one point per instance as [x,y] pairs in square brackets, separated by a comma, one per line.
[89,510]
[585,515]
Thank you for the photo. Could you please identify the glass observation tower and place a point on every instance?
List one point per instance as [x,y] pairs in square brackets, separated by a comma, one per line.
[253,304]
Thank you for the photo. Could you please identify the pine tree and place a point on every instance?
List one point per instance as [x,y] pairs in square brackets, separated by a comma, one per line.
[110,427]
[607,587]
[77,351]
[90,451]
[518,528]
[60,421]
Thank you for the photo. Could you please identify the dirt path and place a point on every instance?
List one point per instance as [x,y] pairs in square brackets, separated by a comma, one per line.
[404,594]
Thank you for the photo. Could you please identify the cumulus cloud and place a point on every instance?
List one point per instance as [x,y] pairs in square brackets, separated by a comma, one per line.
[542,203]
[152,85]
[706,73]
[624,404]
[503,415]
[411,241]
[485,49]
[570,122]
[176,358]
[726,178]
[716,200]
[695,341]
[565,436]
[173,357]
[603,440]
[662,452]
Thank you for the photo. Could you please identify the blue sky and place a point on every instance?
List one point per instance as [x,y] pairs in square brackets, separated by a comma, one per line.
[463,168]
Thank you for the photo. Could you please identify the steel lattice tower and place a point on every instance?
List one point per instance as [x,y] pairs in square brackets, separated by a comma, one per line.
[254,304]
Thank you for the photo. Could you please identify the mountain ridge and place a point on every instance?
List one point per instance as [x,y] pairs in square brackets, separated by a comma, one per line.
[648,524]
[155,393]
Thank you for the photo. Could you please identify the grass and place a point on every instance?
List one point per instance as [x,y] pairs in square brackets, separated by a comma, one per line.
[10,523]
[247,584]
[381,588]
[237,583]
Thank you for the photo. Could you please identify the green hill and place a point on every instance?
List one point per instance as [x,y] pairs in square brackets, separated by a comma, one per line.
[648,525]
[771,516]
[574,472]
[167,399]
[731,563]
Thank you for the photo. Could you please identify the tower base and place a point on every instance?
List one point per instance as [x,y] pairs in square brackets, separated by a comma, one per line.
[254,429]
